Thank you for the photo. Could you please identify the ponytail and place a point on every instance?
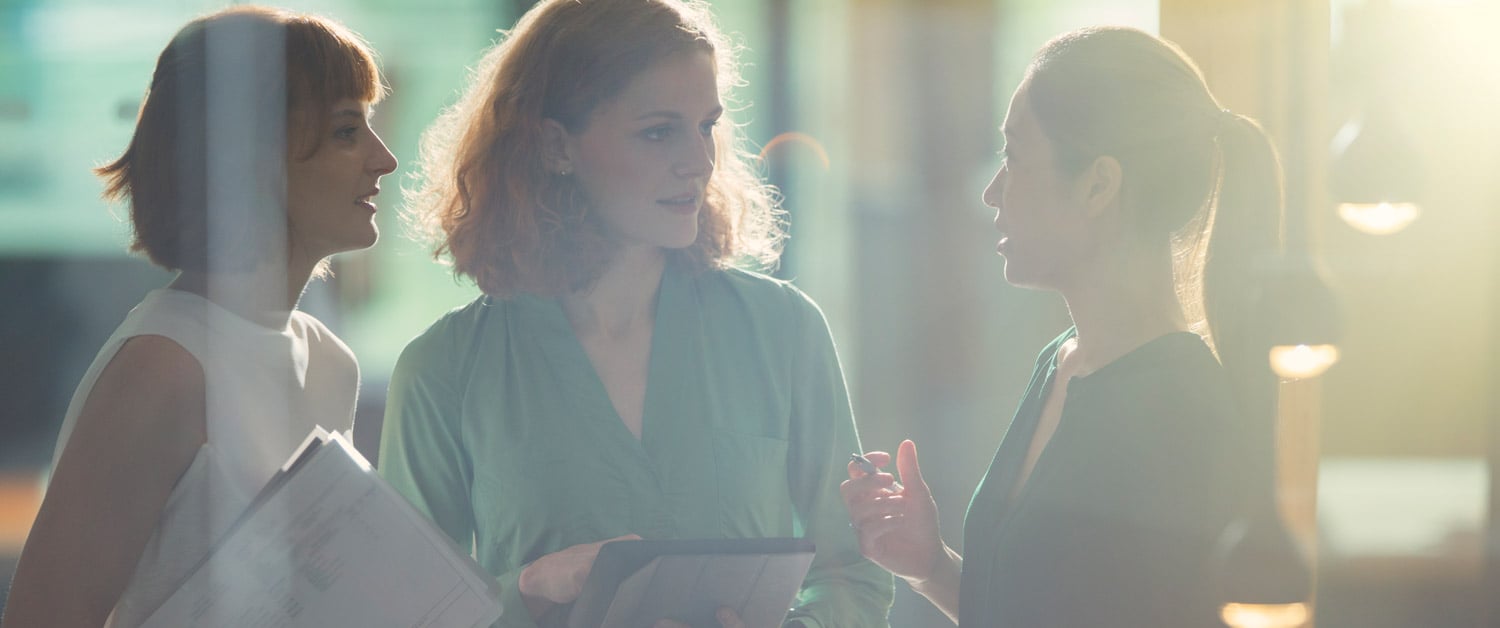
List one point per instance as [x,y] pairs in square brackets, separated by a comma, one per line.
[1244,236]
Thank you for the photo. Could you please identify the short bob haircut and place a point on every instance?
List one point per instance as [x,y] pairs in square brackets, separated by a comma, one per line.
[164,172]
[484,195]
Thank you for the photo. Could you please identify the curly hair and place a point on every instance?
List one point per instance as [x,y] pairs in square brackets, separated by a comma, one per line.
[162,173]
[483,194]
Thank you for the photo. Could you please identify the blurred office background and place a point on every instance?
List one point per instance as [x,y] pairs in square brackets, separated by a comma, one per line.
[879,121]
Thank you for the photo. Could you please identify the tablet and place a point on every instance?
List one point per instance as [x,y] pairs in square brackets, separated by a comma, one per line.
[635,583]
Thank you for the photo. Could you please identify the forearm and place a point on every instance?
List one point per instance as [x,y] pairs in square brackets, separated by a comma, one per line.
[36,600]
[941,588]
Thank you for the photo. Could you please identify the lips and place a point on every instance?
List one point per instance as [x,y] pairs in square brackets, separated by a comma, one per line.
[682,203]
[367,200]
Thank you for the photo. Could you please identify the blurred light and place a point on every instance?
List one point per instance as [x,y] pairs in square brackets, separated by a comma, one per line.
[1377,176]
[1379,218]
[1303,361]
[1300,318]
[1264,615]
[1264,578]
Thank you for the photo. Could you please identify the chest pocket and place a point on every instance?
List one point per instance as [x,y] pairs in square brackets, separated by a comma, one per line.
[751,472]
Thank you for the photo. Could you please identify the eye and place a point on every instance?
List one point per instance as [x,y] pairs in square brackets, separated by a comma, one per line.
[707,128]
[658,133]
[346,132]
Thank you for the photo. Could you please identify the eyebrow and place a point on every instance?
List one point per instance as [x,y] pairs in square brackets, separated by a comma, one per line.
[349,113]
[673,115]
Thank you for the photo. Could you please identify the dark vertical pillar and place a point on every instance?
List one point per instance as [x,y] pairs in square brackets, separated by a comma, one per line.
[779,112]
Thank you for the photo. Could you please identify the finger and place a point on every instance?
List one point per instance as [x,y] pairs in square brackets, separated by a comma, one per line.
[877,513]
[878,458]
[911,472]
[881,506]
[855,472]
[863,488]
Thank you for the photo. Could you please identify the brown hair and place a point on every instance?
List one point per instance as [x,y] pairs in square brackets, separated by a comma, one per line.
[484,193]
[1202,181]
[163,172]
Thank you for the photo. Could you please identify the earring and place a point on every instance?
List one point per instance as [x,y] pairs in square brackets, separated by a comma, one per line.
[563,172]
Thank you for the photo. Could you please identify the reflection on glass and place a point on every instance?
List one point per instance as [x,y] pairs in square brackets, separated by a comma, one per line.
[1379,218]
[1302,361]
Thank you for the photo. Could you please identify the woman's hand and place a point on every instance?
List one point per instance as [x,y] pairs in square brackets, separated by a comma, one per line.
[727,619]
[557,578]
[897,526]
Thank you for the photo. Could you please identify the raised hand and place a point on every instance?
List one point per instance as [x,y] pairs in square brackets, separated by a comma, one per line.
[897,525]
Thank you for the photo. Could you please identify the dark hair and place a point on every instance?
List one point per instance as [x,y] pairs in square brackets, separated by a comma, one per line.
[164,172]
[488,200]
[1195,176]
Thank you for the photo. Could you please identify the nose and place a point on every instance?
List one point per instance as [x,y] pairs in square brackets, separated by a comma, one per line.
[382,161]
[698,157]
[995,190]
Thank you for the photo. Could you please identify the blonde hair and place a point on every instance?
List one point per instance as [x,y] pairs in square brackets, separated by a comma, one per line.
[483,194]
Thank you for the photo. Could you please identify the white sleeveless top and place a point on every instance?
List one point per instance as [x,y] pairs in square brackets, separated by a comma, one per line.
[265,389]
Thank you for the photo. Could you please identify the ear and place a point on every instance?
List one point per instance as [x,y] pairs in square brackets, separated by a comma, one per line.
[557,146]
[1100,185]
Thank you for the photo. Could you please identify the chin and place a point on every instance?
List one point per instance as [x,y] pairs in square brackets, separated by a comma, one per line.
[1018,277]
[374,236]
[359,241]
[682,240]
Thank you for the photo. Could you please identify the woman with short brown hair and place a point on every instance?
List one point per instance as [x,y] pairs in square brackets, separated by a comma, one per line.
[252,162]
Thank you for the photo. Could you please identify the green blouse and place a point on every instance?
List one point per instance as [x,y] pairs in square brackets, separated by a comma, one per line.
[498,427]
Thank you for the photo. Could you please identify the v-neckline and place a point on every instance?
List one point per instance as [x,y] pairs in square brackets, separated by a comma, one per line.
[591,401]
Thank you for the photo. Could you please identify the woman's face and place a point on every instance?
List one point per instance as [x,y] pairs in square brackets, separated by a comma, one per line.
[1039,211]
[644,160]
[331,195]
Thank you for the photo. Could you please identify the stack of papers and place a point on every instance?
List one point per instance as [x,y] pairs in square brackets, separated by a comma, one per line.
[327,542]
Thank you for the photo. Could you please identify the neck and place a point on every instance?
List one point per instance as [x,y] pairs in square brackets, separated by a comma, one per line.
[1124,305]
[623,299]
[264,295]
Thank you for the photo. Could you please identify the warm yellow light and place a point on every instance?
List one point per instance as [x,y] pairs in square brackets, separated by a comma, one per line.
[1379,218]
[1264,615]
[1303,361]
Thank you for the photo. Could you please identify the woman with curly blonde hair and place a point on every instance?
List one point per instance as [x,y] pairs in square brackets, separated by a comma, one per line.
[619,377]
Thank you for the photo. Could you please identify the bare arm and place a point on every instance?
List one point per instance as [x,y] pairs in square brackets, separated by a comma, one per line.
[137,433]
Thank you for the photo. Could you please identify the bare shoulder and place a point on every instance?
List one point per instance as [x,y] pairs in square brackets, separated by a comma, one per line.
[149,400]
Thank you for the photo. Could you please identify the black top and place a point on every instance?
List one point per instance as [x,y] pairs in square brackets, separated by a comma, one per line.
[1115,526]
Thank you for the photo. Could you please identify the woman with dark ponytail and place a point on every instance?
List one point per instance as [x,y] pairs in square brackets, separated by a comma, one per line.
[1131,191]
